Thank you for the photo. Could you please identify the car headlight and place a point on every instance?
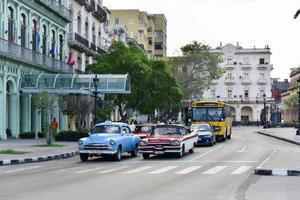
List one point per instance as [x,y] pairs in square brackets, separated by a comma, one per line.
[143,143]
[112,142]
[80,142]
[175,142]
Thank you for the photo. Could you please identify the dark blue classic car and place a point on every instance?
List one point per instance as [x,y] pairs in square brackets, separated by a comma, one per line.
[109,138]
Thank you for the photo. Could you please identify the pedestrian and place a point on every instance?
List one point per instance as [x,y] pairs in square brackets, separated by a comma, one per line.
[258,123]
[54,125]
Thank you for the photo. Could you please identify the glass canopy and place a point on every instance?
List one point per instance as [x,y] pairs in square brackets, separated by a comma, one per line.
[75,83]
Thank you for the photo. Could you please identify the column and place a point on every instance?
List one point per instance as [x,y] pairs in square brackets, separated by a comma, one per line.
[63,122]
[15,115]
[25,113]
[3,109]
[36,121]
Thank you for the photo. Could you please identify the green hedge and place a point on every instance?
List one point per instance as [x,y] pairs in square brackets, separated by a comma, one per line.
[31,135]
[71,135]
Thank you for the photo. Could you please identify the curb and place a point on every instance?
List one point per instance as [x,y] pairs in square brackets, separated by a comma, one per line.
[276,172]
[280,138]
[38,159]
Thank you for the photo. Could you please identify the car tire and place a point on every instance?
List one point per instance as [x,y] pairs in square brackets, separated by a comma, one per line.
[146,155]
[134,152]
[84,157]
[118,155]
[192,150]
[179,155]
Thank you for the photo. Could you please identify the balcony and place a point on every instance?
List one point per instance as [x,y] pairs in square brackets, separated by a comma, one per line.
[78,42]
[229,80]
[100,14]
[101,50]
[262,66]
[246,66]
[246,81]
[90,5]
[262,81]
[16,52]
[82,2]
[59,9]
[230,66]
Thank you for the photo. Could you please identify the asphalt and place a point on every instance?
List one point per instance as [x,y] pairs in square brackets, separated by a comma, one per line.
[225,171]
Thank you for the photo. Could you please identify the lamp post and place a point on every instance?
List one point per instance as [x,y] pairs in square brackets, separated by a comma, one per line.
[298,128]
[96,84]
[265,112]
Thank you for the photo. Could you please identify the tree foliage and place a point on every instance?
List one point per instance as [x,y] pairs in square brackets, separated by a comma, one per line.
[149,83]
[292,101]
[196,68]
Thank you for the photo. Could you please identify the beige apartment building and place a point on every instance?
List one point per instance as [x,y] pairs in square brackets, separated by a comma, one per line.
[148,30]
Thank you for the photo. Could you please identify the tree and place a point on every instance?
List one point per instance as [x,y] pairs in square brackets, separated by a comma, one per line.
[196,68]
[46,102]
[292,101]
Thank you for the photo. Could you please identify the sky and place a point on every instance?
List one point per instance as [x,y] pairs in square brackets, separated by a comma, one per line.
[249,22]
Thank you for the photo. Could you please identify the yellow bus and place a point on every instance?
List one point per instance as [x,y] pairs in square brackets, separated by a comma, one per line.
[217,114]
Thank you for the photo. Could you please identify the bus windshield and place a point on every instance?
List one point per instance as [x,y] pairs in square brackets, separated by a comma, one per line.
[208,114]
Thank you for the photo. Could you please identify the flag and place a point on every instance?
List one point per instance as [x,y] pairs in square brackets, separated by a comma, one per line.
[53,49]
[37,33]
[71,59]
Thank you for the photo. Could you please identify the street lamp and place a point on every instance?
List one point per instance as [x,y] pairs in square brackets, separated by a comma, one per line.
[96,84]
[265,112]
[298,128]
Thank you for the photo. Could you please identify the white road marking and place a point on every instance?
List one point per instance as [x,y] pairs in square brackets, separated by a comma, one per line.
[268,158]
[244,149]
[137,170]
[112,170]
[88,170]
[188,170]
[229,161]
[22,169]
[241,170]
[66,169]
[204,154]
[163,170]
[214,170]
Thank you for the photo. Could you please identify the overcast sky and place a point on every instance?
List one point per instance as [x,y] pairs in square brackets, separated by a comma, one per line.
[249,22]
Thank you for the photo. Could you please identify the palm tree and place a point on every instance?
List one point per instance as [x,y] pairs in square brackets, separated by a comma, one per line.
[297,13]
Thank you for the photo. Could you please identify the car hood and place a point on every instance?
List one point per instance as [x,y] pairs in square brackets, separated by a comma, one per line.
[102,138]
[164,139]
[202,133]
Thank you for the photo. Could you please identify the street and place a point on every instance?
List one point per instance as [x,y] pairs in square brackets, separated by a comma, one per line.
[225,171]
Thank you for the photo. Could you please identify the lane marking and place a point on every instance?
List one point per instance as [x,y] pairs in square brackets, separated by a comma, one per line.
[66,169]
[163,170]
[268,158]
[204,154]
[244,149]
[112,170]
[188,170]
[241,170]
[88,170]
[22,169]
[137,170]
[229,161]
[214,170]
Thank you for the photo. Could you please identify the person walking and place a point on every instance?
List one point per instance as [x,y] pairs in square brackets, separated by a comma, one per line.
[54,125]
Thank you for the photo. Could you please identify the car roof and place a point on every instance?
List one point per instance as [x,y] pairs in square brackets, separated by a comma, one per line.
[146,125]
[170,125]
[112,123]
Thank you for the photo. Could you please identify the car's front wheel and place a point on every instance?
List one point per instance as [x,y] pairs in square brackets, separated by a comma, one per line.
[134,152]
[118,155]
[192,150]
[146,155]
[181,153]
[84,157]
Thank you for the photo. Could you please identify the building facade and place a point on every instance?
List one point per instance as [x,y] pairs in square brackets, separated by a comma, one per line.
[245,80]
[32,40]
[148,30]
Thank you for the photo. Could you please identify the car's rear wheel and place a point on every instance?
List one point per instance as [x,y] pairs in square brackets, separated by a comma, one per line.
[84,157]
[146,155]
[118,155]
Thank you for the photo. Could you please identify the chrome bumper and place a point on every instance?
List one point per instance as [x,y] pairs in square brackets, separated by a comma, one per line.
[98,152]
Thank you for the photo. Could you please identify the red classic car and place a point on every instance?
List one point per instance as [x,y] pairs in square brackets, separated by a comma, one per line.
[144,130]
[168,139]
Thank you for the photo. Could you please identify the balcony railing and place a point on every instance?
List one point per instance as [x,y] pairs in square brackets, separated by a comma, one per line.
[246,81]
[262,66]
[100,14]
[229,80]
[101,50]
[16,52]
[82,2]
[57,8]
[93,47]
[245,66]
[262,81]
[90,5]
[78,42]
[230,66]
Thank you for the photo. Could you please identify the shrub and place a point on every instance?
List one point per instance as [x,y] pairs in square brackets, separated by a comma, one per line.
[41,134]
[71,135]
[27,135]
[8,133]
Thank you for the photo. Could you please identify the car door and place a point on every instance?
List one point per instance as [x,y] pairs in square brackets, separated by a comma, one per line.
[126,138]
[131,139]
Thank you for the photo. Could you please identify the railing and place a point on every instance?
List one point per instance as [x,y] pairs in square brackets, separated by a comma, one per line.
[90,5]
[93,47]
[58,8]
[100,14]
[78,38]
[14,51]
[101,50]
[82,2]
[257,100]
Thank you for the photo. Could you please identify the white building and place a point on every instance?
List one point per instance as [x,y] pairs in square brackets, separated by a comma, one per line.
[88,34]
[246,78]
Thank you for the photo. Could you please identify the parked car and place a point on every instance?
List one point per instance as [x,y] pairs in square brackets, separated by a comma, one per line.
[109,138]
[144,130]
[205,135]
[168,139]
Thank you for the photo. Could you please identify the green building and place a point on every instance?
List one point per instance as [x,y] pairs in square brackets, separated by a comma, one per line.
[32,40]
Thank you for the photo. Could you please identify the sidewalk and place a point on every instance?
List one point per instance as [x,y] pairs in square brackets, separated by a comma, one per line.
[35,154]
[281,162]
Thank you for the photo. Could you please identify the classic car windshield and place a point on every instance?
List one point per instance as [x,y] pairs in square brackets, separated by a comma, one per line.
[143,129]
[168,131]
[204,128]
[106,129]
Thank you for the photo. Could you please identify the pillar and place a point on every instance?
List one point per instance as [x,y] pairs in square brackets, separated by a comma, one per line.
[2,108]
[63,122]
[15,114]
[36,121]
[25,113]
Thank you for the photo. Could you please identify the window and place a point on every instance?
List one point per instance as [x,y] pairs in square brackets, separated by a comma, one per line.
[262,92]
[158,46]
[213,93]
[261,61]
[23,30]
[79,61]
[141,35]
[79,25]
[262,75]
[229,76]
[141,21]
[87,62]
[150,42]
[61,47]
[229,93]
[246,61]
[159,34]
[94,35]
[44,47]
[117,20]
[11,28]
[157,21]
[53,44]
[86,28]
[246,93]
[34,35]
[246,75]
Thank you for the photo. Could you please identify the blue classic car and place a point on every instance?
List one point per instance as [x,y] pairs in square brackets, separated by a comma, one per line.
[109,138]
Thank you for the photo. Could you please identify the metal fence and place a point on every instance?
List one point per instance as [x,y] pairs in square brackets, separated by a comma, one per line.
[58,8]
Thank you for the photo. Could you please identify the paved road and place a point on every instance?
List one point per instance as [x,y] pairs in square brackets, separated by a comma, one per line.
[225,171]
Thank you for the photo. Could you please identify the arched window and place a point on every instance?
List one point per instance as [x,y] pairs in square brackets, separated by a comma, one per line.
[53,44]
[11,26]
[61,47]
[86,29]
[99,38]
[44,47]
[34,35]
[79,25]
[94,34]
[23,29]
